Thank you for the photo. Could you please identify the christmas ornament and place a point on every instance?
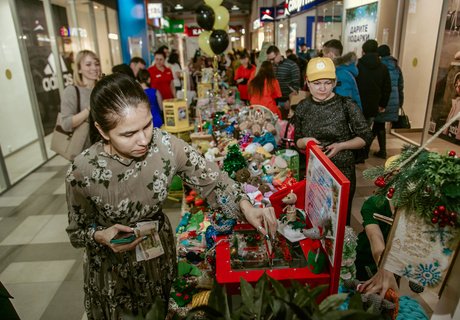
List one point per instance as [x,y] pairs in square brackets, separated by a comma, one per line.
[234,160]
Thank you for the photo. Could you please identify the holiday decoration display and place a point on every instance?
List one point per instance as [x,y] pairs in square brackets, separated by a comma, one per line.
[234,160]
[425,189]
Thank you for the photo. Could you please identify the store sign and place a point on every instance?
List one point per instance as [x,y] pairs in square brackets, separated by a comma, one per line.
[281,11]
[256,24]
[173,26]
[267,14]
[154,10]
[360,26]
[295,6]
[193,31]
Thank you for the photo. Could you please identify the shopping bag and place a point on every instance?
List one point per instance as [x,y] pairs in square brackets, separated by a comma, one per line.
[403,121]
[69,144]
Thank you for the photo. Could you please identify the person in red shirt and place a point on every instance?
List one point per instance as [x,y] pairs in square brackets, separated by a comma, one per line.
[161,77]
[243,74]
[264,88]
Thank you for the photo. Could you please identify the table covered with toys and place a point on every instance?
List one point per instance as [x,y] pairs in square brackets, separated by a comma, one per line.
[245,142]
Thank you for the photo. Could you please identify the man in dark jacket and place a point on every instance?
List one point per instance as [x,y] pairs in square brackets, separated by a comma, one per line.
[374,83]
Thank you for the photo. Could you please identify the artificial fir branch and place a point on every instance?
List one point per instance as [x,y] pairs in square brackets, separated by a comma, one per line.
[422,182]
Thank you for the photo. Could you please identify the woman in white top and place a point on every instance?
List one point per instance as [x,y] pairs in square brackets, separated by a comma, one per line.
[176,69]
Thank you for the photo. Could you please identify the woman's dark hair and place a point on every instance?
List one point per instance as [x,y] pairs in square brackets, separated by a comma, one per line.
[161,53]
[110,99]
[143,76]
[174,58]
[266,73]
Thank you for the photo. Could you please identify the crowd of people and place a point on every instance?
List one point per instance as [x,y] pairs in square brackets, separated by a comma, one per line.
[122,178]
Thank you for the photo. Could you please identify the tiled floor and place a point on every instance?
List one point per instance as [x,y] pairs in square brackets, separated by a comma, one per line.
[37,263]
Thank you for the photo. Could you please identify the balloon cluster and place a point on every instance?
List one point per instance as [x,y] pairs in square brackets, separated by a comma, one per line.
[213,18]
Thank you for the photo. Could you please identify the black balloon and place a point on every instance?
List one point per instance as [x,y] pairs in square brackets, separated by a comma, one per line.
[218,41]
[205,17]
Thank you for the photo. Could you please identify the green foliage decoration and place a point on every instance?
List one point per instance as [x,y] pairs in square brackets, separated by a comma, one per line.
[424,183]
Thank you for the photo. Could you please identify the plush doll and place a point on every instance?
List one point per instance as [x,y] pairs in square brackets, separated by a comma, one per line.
[242,175]
[255,168]
[211,154]
[290,209]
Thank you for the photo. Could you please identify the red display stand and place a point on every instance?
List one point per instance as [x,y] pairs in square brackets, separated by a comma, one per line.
[324,193]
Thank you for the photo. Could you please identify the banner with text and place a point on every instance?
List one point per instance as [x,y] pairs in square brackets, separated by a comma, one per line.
[360,25]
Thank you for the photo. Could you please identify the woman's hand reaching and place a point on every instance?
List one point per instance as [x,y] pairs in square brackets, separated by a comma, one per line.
[263,219]
[379,283]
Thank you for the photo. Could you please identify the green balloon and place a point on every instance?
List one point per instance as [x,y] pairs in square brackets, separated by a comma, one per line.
[213,3]
[203,42]
[222,17]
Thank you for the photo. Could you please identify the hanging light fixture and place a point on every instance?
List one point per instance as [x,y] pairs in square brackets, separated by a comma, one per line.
[178,7]
[235,8]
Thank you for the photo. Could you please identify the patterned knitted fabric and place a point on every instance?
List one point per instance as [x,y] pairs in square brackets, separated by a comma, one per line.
[410,309]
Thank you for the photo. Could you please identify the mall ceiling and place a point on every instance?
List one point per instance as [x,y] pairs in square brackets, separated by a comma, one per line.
[191,5]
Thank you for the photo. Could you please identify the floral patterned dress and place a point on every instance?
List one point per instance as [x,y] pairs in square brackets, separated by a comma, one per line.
[103,190]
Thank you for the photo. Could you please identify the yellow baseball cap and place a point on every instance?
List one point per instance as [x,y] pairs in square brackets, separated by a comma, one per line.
[320,68]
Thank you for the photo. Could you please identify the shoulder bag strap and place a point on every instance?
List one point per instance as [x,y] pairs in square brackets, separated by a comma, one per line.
[347,116]
[78,99]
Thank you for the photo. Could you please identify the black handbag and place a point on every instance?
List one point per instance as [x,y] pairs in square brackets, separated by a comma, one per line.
[403,121]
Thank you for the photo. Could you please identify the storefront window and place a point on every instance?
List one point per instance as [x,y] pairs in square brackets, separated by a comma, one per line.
[30,88]
[282,35]
[446,105]
[269,32]
[328,23]
[114,36]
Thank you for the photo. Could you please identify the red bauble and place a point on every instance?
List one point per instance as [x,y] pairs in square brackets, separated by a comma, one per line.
[453,216]
[452,153]
[391,190]
[436,212]
[434,220]
[199,202]
[380,182]
[441,208]
[189,199]
[389,195]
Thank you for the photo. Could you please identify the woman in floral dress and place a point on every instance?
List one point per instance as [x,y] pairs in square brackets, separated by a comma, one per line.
[122,180]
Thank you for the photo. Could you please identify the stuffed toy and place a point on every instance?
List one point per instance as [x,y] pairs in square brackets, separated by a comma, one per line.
[289,200]
[242,175]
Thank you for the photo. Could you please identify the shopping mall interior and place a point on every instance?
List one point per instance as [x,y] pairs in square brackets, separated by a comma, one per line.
[40,268]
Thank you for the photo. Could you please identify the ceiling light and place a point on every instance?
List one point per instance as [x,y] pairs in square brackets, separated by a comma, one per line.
[178,7]
[235,8]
